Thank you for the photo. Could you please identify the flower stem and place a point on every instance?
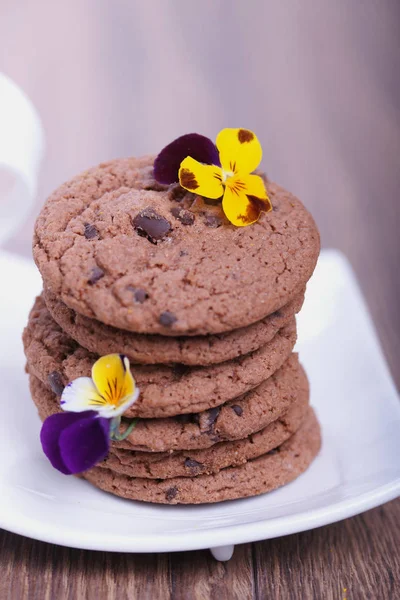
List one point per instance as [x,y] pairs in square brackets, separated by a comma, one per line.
[115,434]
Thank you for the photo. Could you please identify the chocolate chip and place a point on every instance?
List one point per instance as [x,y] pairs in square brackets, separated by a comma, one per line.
[171,493]
[177,193]
[95,274]
[148,223]
[237,409]
[139,295]
[192,464]
[90,231]
[212,417]
[167,318]
[183,253]
[213,221]
[56,383]
[186,217]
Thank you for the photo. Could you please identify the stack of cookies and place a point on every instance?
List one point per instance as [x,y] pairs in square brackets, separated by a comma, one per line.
[204,311]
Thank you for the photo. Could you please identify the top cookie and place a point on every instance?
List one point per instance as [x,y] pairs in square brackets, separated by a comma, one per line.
[116,246]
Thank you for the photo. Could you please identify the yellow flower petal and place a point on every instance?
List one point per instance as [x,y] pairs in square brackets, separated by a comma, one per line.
[114,382]
[239,150]
[244,199]
[205,180]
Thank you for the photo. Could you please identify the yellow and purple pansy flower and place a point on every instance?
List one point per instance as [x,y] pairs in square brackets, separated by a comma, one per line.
[224,169]
[79,438]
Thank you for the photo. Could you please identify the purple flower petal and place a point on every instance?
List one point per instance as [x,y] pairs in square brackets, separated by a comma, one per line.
[50,433]
[74,442]
[199,147]
[85,443]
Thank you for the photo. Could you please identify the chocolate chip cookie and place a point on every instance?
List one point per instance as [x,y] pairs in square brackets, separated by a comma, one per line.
[234,420]
[115,246]
[164,390]
[257,476]
[155,465]
[152,349]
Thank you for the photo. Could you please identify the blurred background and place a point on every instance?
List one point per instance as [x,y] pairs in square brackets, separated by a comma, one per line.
[317,81]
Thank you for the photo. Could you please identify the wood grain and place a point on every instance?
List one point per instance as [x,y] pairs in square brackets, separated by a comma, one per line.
[319,84]
[354,560]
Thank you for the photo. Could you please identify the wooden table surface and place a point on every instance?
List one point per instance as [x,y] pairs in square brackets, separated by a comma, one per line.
[319,84]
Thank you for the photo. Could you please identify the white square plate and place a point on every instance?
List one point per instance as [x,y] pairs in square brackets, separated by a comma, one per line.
[358,467]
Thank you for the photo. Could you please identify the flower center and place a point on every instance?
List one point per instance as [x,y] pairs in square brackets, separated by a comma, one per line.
[226,175]
[114,393]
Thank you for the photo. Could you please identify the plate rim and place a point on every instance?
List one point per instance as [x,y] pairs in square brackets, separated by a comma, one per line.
[222,535]
[227,535]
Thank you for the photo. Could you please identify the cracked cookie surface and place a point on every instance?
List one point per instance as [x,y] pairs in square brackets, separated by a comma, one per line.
[234,420]
[164,390]
[154,465]
[114,245]
[263,474]
[152,349]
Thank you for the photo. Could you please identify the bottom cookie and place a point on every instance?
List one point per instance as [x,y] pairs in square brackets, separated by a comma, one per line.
[266,473]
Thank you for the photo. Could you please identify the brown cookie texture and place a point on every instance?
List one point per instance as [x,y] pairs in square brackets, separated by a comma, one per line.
[112,231]
[232,421]
[164,390]
[152,349]
[154,465]
[263,474]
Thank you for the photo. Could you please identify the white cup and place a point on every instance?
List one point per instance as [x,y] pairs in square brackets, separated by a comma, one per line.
[21,152]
